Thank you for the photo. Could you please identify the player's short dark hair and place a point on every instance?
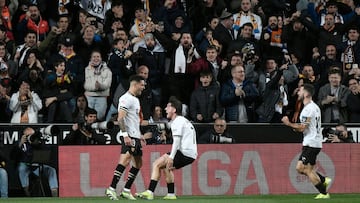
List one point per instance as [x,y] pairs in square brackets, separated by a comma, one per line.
[89,111]
[176,104]
[309,88]
[136,78]
[206,73]
[58,62]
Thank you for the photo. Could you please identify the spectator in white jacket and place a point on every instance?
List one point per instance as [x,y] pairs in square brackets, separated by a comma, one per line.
[25,105]
[97,84]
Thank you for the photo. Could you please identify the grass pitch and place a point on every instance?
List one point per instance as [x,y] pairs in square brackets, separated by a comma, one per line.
[297,198]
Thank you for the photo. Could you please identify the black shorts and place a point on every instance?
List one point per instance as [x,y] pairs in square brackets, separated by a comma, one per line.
[309,154]
[135,149]
[180,160]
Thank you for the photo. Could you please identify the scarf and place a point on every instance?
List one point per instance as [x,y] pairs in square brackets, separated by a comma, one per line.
[180,60]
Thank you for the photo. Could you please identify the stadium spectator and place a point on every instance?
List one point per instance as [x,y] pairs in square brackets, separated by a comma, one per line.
[86,43]
[3,176]
[78,114]
[25,105]
[23,155]
[340,135]
[32,21]
[5,58]
[178,81]
[322,64]
[218,134]
[245,15]
[237,96]
[271,43]
[211,62]
[147,96]
[5,95]
[83,133]
[350,50]
[205,37]
[138,30]
[225,71]
[273,87]
[21,50]
[50,45]
[33,72]
[120,64]
[179,24]
[58,93]
[205,106]
[152,54]
[80,22]
[332,98]
[201,13]
[74,66]
[224,32]
[299,40]
[246,44]
[114,17]
[97,84]
[9,43]
[352,101]
[157,115]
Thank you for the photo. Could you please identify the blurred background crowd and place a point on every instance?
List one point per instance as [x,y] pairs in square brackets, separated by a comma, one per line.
[241,60]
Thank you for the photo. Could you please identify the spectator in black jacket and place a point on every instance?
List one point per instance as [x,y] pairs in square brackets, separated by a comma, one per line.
[83,133]
[204,103]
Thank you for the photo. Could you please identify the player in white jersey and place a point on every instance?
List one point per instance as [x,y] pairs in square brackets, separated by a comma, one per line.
[183,151]
[129,118]
[310,126]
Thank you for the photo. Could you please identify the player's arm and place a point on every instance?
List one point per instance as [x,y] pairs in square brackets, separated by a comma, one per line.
[174,147]
[121,122]
[298,127]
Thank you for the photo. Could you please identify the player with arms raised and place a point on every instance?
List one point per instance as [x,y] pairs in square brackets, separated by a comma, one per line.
[310,126]
[129,119]
[183,151]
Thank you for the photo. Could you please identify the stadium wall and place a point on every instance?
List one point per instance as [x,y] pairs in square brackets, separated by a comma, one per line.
[231,169]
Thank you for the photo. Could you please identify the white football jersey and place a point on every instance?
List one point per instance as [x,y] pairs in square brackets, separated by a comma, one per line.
[131,104]
[311,116]
[183,128]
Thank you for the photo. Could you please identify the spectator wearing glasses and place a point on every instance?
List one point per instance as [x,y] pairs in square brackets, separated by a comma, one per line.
[353,101]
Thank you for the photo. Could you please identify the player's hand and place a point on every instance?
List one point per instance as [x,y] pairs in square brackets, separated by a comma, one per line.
[127,141]
[333,138]
[169,164]
[285,120]
[142,141]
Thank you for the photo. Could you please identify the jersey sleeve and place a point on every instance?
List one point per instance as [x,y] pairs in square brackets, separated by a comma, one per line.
[124,103]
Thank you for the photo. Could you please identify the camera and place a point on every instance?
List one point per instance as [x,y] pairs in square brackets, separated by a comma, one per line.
[42,135]
[35,138]
[105,125]
[163,126]
[221,139]
[329,131]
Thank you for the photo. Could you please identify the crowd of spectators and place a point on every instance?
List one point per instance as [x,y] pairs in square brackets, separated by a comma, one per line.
[242,60]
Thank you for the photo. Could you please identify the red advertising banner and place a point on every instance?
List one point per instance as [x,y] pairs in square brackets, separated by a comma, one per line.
[219,170]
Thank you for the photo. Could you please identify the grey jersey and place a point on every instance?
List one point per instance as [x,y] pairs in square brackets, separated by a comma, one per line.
[131,104]
[311,116]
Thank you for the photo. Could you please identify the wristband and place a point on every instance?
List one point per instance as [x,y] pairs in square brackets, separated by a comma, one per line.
[124,134]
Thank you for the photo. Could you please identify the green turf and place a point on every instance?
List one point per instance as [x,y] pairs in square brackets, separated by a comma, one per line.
[303,198]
